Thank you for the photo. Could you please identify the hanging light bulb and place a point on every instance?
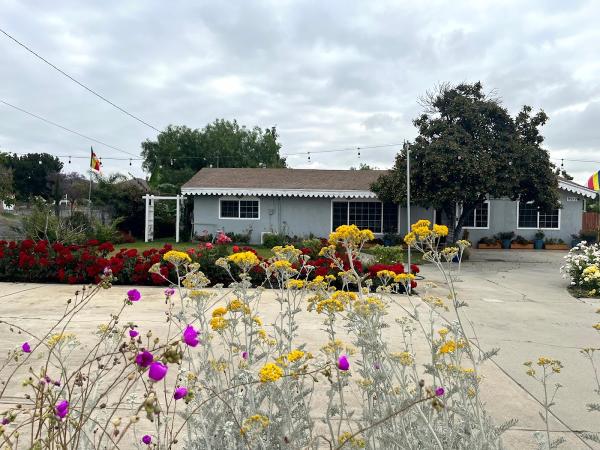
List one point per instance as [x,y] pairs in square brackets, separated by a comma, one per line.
[171,161]
[129,161]
[69,160]
[358,148]
[40,162]
[308,156]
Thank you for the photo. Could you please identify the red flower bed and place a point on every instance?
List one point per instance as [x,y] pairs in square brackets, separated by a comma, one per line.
[40,261]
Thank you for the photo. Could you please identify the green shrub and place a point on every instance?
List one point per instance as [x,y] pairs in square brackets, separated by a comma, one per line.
[274,239]
[387,255]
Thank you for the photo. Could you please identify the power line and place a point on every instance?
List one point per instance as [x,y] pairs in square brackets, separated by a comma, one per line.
[43,119]
[345,149]
[37,55]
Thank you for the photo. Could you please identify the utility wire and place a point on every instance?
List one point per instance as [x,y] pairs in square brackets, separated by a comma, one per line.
[346,149]
[100,96]
[66,129]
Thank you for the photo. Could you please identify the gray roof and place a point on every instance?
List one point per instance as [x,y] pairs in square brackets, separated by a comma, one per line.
[284,179]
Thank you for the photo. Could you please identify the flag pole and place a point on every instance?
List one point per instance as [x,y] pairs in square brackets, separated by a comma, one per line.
[407,148]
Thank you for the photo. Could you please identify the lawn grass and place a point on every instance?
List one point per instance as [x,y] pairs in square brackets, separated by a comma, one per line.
[183,246]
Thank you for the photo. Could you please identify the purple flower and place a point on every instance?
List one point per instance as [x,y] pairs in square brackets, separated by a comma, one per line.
[133,334]
[133,295]
[180,392]
[377,366]
[343,363]
[147,439]
[439,391]
[245,355]
[144,359]
[5,421]
[107,271]
[169,292]
[190,336]
[157,371]
[26,347]
[61,409]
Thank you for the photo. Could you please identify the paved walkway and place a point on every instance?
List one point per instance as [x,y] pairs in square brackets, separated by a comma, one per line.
[519,303]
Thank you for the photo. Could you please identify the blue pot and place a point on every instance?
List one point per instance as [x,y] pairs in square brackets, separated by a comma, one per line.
[506,243]
[538,244]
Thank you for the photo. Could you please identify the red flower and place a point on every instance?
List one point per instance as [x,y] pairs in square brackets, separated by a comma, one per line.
[106,247]
[27,244]
[60,273]
[414,268]
[131,253]
[235,249]
[93,242]
[58,247]
[71,279]
[44,262]
[41,247]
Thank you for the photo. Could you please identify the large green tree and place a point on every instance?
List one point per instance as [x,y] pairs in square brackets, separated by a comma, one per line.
[34,174]
[179,152]
[469,148]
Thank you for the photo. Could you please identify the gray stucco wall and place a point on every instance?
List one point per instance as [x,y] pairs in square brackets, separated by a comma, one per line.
[503,217]
[302,216]
[289,215]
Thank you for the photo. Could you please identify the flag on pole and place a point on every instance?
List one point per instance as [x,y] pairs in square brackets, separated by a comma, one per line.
[594,181]
[94,161]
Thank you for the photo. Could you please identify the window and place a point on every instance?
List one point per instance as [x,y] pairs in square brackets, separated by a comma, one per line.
[480,217]
[530,217]
[375,216]
[239,209]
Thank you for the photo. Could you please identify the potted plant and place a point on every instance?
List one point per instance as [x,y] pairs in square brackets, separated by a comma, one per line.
[488,242]
[538,243]
[505,237]
[575,240]
[520,242]
[556,244]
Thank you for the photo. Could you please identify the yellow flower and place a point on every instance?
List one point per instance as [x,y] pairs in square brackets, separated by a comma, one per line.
[368,305]
[288,252]
[270,372]
[405,358]
[386,274]
[218,323]
[60,338]
[350,235]
[348,441]
[443,332]
[257,421]
[237,305]
[448,347]
[262,334]
[330,305]
[440,230]
[220,311]
[295,284]
[257,320]
[596,327]
[553,364]
[175,257]
[282,264]
[404,278]
[295,355]
[244,260]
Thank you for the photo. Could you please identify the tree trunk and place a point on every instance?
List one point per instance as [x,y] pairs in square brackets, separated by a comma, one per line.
[460,222]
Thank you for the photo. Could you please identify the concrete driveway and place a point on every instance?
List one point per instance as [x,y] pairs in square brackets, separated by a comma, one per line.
[518,302]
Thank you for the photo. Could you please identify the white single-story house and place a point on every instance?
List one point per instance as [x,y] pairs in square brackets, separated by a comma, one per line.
[303,202]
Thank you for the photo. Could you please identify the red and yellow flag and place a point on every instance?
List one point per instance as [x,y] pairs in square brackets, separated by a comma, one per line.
[94,161]
[594,181]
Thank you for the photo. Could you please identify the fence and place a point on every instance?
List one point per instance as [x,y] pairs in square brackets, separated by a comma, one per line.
[591,221]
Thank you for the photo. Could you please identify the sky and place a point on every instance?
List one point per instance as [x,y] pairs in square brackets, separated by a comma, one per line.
[328,74]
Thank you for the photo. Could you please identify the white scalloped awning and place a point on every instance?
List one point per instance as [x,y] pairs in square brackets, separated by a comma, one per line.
[278,192]
[576,189]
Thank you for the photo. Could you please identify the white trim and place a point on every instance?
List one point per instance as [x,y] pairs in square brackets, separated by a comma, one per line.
[538,220]
[576,188]
[489,212]
[279,192]
[237,199]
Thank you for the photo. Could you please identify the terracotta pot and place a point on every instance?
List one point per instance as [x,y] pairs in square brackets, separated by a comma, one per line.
[557,247]
[521,246]
[496,245]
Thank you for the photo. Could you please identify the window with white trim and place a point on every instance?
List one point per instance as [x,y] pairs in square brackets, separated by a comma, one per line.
[239,209]
[375,216]
[531,217]
[480,217]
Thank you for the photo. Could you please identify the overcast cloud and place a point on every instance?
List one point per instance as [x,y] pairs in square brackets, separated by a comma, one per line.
[328,74]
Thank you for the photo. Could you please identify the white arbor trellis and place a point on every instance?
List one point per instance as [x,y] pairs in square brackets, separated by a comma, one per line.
[149,221]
